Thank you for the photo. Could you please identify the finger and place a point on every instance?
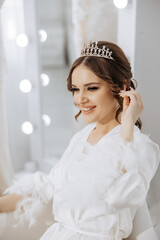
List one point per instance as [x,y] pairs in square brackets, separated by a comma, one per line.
[142,102]
[136,94]
[129,94]
[133,91]
[135,97]
[125,100]
[125,103]
[139,98]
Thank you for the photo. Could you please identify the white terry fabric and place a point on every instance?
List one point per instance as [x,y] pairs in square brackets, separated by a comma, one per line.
[96,190]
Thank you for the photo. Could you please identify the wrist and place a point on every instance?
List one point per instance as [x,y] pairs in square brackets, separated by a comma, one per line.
[128,121]
[127,129]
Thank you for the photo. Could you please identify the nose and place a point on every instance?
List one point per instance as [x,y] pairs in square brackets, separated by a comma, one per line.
[82,98]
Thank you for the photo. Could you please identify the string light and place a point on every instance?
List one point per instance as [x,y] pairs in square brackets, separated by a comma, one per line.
[120,3]
[46,119]
[27,128]
[43,35]
[22,40]
[45,79]
[25,86]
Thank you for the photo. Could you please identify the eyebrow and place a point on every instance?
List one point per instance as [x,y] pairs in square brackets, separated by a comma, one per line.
[87,84]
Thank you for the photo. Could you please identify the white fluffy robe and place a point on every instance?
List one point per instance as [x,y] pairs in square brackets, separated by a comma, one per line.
[95,190]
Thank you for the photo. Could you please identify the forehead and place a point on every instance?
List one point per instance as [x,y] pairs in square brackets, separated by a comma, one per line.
[83,75]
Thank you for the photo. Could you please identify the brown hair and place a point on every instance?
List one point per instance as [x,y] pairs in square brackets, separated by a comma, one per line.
[115,72]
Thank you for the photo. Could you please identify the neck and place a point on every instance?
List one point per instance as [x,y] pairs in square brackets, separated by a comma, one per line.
[106,127]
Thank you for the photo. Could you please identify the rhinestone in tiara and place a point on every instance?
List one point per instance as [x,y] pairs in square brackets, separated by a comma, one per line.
[92,49]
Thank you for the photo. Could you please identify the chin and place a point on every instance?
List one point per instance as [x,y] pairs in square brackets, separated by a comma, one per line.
[89,120]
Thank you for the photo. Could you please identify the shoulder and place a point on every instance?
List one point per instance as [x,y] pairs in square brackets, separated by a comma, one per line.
[144,139]
[143,150]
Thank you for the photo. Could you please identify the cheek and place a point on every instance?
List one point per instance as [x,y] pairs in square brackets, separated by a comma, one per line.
[107,101]
[75,98]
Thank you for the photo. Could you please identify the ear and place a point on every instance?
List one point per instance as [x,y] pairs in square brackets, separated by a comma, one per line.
[124,86]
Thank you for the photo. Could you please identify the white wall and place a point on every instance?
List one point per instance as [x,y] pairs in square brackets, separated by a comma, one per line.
[147,63]
[139,36]
[141,42]
[147,66]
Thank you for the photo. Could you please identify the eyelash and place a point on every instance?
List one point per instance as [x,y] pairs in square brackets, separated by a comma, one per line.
[89,88]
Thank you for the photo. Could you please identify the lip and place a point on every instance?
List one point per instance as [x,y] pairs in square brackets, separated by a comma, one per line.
[91,106]
[87,112]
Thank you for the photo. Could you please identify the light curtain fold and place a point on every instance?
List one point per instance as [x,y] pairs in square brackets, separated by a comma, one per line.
[5,163]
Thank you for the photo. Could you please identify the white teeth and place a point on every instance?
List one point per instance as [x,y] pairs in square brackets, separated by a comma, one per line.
[87,109]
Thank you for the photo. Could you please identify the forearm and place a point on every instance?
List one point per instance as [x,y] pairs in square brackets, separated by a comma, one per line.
[127,129]
[9,202]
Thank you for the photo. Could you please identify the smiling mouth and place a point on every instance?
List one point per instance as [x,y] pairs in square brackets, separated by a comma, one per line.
[88,110]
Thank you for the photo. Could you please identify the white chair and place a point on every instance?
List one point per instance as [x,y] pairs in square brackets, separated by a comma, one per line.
[142,226]
[8,231]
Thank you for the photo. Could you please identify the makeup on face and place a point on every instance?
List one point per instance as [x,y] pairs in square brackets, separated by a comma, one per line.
[92,95]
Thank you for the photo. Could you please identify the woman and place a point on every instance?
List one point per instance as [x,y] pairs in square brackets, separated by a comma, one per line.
[104,175]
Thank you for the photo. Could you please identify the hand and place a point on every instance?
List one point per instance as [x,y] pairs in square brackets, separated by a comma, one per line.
[133,109]
[8,203]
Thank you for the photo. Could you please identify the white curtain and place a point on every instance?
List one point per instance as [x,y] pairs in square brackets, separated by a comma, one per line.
[5,163]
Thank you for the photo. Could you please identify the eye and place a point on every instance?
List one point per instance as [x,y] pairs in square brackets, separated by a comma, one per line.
[93,88]
[74,89]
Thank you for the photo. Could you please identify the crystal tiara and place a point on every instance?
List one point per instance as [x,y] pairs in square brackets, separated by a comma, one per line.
[91,49]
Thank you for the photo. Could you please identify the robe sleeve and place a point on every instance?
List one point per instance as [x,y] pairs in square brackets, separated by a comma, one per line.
[38,191]
[139,162]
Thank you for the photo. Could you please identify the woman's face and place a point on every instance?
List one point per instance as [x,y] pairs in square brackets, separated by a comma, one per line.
[92,96]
